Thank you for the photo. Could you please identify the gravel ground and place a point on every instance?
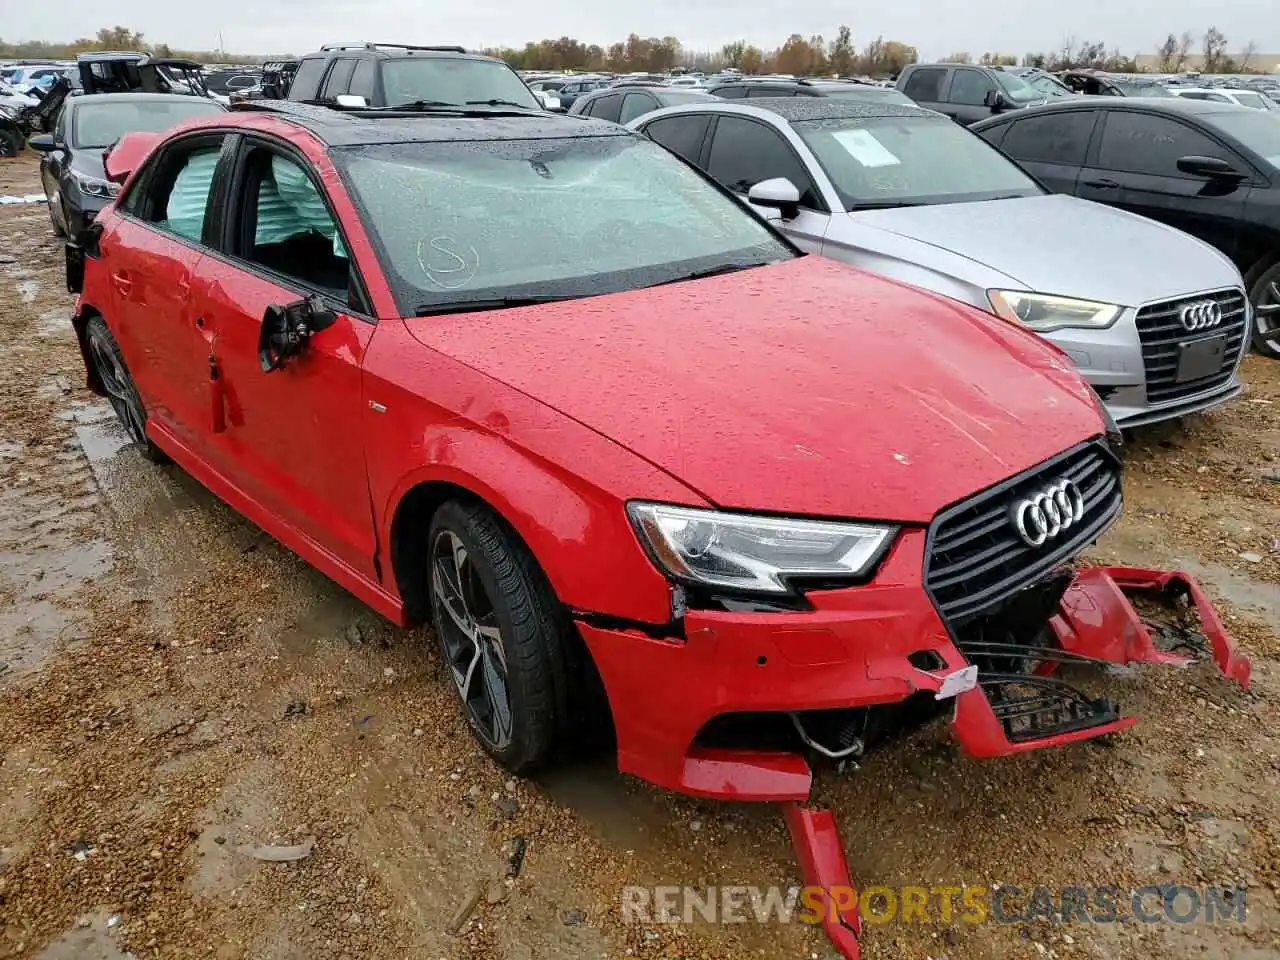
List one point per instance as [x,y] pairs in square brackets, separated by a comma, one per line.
[179,692]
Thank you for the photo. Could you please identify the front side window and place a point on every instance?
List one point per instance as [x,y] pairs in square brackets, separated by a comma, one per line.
[286,227]
[179,192]
[1251,100]
[459,222]
[1140,143]
[1260,132]
[731,93]
[605,108]
[98,124]
[339,78]
[911,161]
[970,87]
[453,80]
[744,152]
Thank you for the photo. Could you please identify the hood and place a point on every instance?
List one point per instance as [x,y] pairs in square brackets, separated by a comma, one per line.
[89,163]
[1065,246]
[806,387]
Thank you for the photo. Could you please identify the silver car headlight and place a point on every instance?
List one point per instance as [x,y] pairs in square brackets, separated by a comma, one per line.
[1043,312]
[753,553]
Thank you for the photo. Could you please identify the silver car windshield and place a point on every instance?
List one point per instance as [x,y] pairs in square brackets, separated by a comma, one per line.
[458,222]
[453,80]
[910,161]
[1017,89]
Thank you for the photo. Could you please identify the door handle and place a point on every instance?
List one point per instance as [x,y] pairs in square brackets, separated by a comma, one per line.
[123,283]
[1101,184]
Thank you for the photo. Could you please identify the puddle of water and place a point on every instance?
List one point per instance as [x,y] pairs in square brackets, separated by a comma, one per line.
[55,323]
[101,440]
[29,290]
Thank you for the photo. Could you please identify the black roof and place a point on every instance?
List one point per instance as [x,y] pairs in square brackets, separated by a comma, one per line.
[829,108]
[342,128]
[1169,106]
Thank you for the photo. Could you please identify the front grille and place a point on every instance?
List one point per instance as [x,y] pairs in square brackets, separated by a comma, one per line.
[976,557]
[1161,331]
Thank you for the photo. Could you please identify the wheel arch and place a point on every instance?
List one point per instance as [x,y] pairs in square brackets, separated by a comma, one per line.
[80,323]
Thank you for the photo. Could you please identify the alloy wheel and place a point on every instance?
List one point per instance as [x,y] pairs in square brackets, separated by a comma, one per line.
[1266,311]
[115,381]
[471,638]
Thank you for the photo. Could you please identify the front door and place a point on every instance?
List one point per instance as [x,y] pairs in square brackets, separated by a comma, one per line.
[744,152]
[292,435]
[1135,167]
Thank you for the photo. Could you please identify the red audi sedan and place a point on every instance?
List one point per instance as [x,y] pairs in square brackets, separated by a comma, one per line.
[539,381]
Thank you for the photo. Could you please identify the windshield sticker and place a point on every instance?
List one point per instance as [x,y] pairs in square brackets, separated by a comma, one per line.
[865,148]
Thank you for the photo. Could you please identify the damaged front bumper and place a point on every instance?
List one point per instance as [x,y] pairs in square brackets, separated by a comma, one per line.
[862,651]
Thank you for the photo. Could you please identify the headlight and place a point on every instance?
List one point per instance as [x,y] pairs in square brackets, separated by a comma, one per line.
[95,187]
[756,554]
[1043,313]
[8,111]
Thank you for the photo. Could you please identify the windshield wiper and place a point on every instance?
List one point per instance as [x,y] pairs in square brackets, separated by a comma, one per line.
[487,303]
[498,103]
[712,272]
[425,105]
[886,205]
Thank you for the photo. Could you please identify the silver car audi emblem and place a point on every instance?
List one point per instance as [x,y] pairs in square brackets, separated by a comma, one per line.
[1201,315]
[1048,513]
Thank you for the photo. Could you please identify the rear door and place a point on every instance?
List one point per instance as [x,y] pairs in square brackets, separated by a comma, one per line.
[1050,146]
[155,249]
[291,437]
[927,86]
[1133,164]
[744,152]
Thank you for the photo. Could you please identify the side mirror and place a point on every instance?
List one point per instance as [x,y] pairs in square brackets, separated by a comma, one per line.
[1213,167]
[286,330]
[777,193]
[995,100]
[351,101]
[43,143]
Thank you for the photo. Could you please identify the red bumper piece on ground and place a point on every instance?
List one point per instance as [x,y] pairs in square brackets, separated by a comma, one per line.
[822,864]
[1097,620]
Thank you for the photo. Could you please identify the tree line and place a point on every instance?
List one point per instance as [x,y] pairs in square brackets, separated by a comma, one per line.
[798,55]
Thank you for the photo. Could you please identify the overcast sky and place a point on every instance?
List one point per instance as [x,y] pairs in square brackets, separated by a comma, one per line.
[935,27]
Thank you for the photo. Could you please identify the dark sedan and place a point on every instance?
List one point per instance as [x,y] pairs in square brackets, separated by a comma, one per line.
[71,169]
[625,102]
[1211,169]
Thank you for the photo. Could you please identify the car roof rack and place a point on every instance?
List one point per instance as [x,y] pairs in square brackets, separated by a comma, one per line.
[368,45]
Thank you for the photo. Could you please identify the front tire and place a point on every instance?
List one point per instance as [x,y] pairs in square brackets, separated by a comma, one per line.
[57,217]
[117,384]
[500,633]
[10,143]
[1264,294]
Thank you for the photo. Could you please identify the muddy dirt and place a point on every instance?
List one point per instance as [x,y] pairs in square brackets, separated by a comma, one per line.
[177,692]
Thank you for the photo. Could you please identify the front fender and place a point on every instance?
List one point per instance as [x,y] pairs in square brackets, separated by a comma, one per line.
[560,485]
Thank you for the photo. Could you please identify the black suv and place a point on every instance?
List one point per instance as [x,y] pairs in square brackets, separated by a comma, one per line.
[1211,169]
[966,93]
[396,74]
[843,89]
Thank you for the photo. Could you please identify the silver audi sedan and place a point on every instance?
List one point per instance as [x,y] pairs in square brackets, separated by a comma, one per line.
[1156,320]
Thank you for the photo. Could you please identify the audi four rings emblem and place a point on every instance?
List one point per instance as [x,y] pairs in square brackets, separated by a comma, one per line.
[1049,512]
[1201,315]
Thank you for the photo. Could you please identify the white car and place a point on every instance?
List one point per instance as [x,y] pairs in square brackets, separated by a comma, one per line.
[1241,98]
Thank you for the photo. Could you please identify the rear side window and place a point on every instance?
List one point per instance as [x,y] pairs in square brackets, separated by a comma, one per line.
[1139,143]
[1051,138]
[730,93]
[925,84]
[605,108]
[681,135]
[179,193]
[306,82]
[636,105]
[743,153]
[756,92]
